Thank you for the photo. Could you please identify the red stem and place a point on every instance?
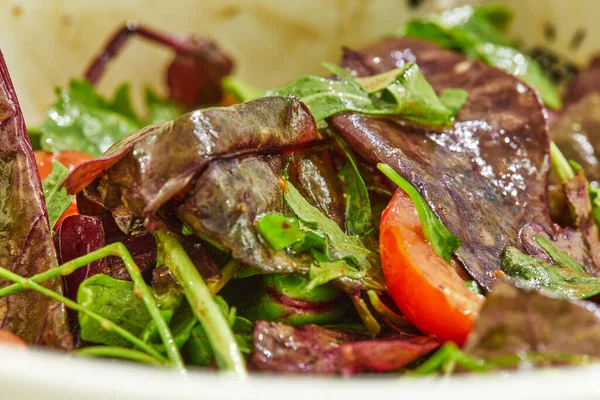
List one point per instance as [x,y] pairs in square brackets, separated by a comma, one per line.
[112,48]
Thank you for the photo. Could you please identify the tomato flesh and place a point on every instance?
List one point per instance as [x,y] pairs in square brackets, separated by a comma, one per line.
[429,292]
[11,338]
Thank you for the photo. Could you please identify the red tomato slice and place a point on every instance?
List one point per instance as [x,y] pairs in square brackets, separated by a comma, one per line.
[429,292]
[11,338]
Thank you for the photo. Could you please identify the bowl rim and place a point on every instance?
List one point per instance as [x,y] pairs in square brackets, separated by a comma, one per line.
[29,373]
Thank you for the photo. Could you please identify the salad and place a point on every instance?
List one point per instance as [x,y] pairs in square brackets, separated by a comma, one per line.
[429,205]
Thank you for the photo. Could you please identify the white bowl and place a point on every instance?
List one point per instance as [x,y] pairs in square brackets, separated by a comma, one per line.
[46,42]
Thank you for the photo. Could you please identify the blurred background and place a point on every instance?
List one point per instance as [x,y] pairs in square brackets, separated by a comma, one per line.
[47,42]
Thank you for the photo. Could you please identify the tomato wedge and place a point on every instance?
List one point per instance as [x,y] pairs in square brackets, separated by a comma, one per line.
[429,292]
[69,159]
[11,338]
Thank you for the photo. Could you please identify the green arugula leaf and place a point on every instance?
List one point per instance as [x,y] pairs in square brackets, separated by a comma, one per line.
[240,89]
[563,280]
[495,15]
[198,348]
[595,197]
[57,199]
[444,243]
[83,120]
[524,67]
[477,32]
[403,91]
[280,231]
[359,218]
[454,99]
[558,256]
[359,214]
[161,110]
[122,103]
[325,97]
[116,301]
[473,286]
[338,245]
[323,272]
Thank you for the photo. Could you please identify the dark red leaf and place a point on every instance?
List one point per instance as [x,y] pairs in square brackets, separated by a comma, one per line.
[78,235]
[311,349]
[26,246]
[194,77]
[484,177]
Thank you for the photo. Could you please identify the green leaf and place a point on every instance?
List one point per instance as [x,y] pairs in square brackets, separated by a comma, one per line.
[325,97]
[359,219]
[82,120]
[122,103]
[558,256]
[595,197]
[495,15]
[161,110]
[524,67]
[444,243]
[280,231]
[403,91]
[562,280]
[114,300]
[454,99]
[240,89]
[359,214]
[477,32]
[324,272]
[416,99]
[473,286]
[198,349]
[339,245]
[57,199]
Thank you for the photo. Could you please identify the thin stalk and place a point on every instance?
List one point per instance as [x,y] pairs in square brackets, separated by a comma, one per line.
[227,273]
[105,323]
[560,165]
[117,352]
[113,47]
[384,310]
[64,269]
[365,315]
[140,289]
[226,350]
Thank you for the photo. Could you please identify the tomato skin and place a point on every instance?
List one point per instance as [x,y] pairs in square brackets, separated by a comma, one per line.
[427,290]
[43,160]
[12,339]
[69,159]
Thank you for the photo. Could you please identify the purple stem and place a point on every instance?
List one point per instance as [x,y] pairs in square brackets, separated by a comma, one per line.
[112,48]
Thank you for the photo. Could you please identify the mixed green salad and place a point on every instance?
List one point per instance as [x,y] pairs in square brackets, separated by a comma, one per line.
[429,205]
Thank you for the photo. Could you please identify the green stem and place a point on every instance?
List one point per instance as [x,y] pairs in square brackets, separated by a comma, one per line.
[64,269]
[445,358]
[227,273]
[140,289]
[365,315]
[118,250]
[384,310]
[117,352]
[105,323]
[226,350]
[560,165]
